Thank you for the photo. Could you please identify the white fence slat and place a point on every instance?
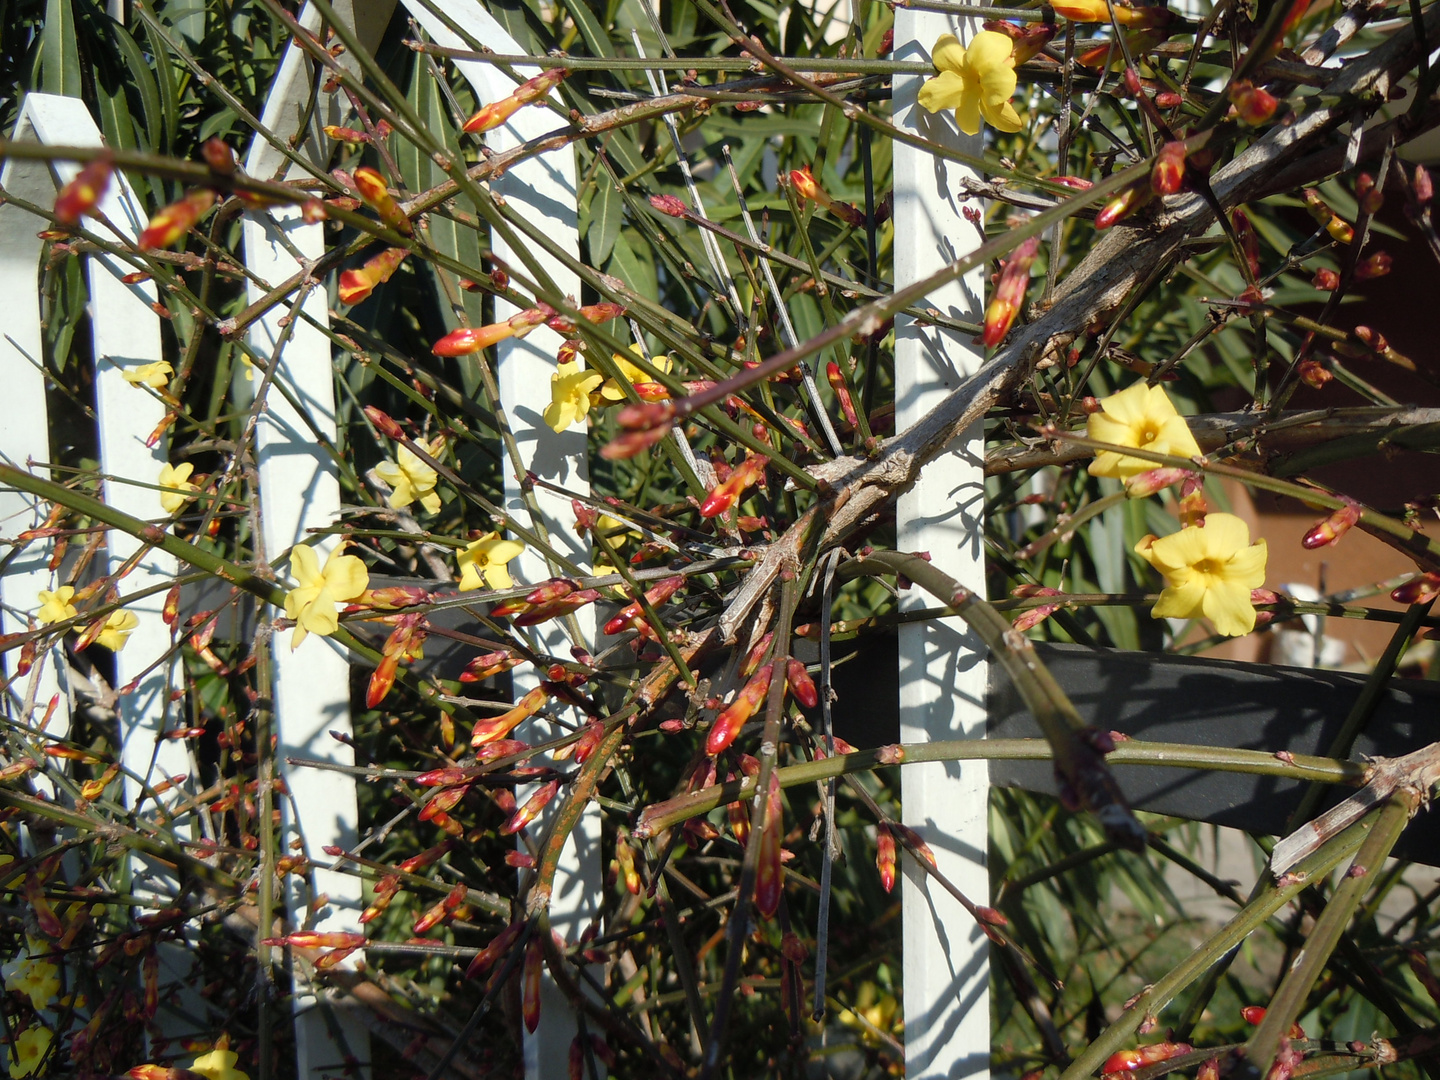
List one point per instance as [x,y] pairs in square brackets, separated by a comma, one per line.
[25,424]
[299,491]
[942,667]
[542,190]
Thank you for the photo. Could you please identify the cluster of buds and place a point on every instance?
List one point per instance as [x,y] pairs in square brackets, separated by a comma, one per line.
[1033,617]
[468,339]
[548,600]
[807,187]
[725,494]
[641,427]
[438,807]
[357,285]
[732,718]
[376,195]
[496,113]
[1009,292]
[632,615]
[1028,40]
[1339,229]
[406,642]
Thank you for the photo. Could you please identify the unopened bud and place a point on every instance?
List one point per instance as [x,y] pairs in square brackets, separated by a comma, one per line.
[1373,266]
[669,204]
[1168,175]
[1253,105]
[1329,531]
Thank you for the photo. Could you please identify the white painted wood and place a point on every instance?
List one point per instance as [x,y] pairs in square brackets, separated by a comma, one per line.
[942,667]
[543,190]
[299,491]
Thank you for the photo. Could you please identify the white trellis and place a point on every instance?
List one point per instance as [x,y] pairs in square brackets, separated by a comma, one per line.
[943,674]
[942,669]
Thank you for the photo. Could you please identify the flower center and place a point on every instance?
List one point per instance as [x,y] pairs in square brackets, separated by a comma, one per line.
[1148,434]
[1211,567]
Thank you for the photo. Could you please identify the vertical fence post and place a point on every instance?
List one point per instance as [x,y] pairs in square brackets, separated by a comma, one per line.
[299,491]
[942,667]
[542,190]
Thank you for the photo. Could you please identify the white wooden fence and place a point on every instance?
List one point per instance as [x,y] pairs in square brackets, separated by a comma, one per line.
[942,673]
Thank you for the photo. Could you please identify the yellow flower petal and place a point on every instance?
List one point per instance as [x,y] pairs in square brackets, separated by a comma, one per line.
[945,91]
[948,54]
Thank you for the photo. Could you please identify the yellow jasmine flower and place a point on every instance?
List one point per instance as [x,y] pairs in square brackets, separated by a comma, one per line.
[56,606]
[976,81]
[29,1050]
[612,391]
[1209,570]
[312,603]
[1140,416]
[220,1064]
[156,375]
[117,630]
[483,562]
[570,388]
[249,367]
[177,479]
[39,979]
[410,478]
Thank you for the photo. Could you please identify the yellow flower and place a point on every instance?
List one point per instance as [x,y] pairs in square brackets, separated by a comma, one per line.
[155,375]
[975,81]
[39,979]
[29,1050]
[612,391]
[56,606]
[1209,570]
[117,630]
[177,479]
[485,559]
[1143,417]
[410,478]
[570,388]
[312,604]
[220,1064]
[249,367]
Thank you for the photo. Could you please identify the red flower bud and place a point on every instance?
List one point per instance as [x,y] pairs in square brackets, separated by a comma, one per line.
[498,947]
[1373,266]
[728,724]
[81,195]
[669,204]
[1123,205]
[467,339]
[770,873]
[218,156]
[1418,590]
[1370,197]
[491,116]
[1326,279]
[1009,292]
[1253,105]
[531,810]
[533,90]
[530,984]
[836,379]
[500,726]
[491,663]
[1314,373]
[1424,186]
[625,858]
[801,684]
[1168,175]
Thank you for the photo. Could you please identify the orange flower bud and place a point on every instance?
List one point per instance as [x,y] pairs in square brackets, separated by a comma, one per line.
[625,859]
[471,339]
[836,378]
[1141,1056]
[916,846]
[563,605]
[885,857]
[530,984]
[1326,279]
[532,90]
[345,134]
[92,789]
[729,490]
[441,911]
[491,663]
[1009,292]
[728,724]
[1148,483]
[770,874]
[81,195]
[373,190]
[1370,197]
[174,221]
[497,728]
[315,939]
[491,116]
[633,615]
[1123,205]
[756,655]
[1373,266]
[531,810]
[1314,373]
[603,312]
[1253,105]
[1168,175]
[218,156]
[1338,229]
